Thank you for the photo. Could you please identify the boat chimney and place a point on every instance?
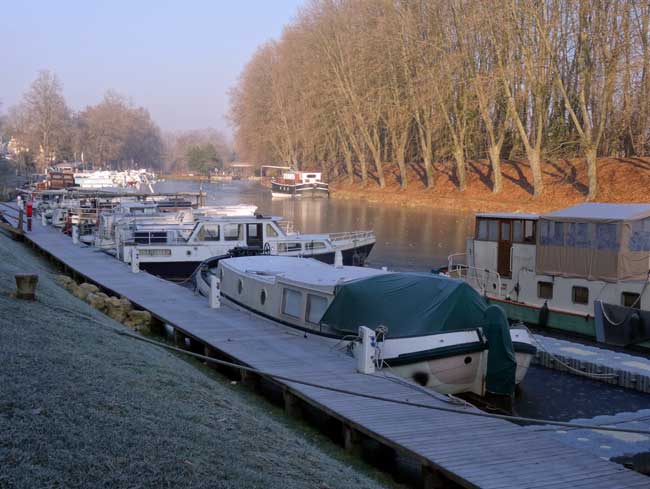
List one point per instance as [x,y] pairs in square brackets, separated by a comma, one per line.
[338,259]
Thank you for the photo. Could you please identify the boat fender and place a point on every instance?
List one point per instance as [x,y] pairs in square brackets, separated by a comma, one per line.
[635,322]
[542,320]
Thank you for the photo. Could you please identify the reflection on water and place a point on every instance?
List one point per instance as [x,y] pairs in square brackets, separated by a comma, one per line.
[407,238]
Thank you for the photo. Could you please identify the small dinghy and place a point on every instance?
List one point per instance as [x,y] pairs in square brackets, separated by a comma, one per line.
[434,330]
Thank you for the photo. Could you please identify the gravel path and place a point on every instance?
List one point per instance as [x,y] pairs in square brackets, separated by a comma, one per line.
[81,406]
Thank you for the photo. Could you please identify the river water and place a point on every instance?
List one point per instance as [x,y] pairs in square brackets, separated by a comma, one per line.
[417,239]
[407,238]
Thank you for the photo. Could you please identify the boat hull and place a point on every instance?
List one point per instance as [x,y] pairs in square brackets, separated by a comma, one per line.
[320,190]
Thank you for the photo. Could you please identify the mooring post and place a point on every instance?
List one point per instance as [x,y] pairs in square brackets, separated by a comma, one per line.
[20,219]
[75,234]
[43,219]
[432,479]
[352,440]
[135,260]
[26,286]
[249,379]
[291,404]
[215,292]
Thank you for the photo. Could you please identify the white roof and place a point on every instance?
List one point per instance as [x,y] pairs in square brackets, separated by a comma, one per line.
[307,271]
[602,211]
[508,215]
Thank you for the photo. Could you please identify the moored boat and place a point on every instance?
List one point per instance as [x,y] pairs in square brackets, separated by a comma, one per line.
[436,331]
[300,184]
[175,250]
[583,270]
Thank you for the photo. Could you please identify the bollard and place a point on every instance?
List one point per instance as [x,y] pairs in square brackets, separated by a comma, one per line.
[29,224]
[26,286]
[43,219]
[215,292]
[135,260]
[338,259]
[20,219]
[75,234]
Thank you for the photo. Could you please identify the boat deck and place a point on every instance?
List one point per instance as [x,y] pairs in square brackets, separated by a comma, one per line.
[471,451]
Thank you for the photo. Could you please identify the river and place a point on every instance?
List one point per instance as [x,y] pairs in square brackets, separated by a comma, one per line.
[407,238]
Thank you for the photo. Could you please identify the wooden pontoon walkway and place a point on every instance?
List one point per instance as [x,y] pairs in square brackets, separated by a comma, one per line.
[472,451]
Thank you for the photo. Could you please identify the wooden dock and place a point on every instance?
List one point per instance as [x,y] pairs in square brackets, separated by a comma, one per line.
[470,451]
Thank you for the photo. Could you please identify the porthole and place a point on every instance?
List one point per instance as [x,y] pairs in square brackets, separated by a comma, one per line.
[263,297]
[240,286]
[468,360]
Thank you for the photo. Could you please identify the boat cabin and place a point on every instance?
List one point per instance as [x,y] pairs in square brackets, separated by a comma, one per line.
[298,177]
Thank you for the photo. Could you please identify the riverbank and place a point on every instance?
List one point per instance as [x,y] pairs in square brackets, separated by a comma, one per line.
[81,406]
[620,180]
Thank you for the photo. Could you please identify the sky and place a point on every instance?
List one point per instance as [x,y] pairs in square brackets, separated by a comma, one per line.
[176,58]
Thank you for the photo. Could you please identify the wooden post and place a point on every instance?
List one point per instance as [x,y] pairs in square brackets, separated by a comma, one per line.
[352,440]
[432,479]
[250,380]
[26,286]
[179,338]
[291,404]
[20,219]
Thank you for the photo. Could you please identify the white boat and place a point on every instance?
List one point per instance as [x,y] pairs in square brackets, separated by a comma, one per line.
[300,184]
[431,329]
[175,251]
[583,270]
[102,179]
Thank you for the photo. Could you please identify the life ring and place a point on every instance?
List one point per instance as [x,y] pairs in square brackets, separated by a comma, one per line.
[267,248]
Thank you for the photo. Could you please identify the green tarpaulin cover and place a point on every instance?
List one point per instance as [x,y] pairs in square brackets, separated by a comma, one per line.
[417,304]
[408,304]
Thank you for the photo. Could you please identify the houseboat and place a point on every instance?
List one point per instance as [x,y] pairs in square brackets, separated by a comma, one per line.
[175,251]
[434,330]
[300,184]
[583,270]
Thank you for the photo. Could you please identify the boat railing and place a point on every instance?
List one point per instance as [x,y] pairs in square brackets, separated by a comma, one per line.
[351,236]
[483,279]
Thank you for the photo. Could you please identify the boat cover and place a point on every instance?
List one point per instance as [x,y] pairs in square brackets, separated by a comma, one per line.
[596,241]
[419,304]
[408,304]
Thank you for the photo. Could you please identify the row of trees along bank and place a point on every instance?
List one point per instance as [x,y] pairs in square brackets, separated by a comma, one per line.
[366,82]
[114,133]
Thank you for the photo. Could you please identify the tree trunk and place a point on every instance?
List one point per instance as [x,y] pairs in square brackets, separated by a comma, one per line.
[376,156]
[348,166]
[535,160]
[400,157]
[461,172]
[494,152]
[592,172]
[428,167]
[364,171]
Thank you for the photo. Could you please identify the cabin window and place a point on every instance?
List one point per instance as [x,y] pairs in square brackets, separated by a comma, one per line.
[291,303]
[631,299]
[517,231]
[315,245]
[240,286]
[529,231]
[316,307]
[640,236]
[607,237]
[271,232]
[578,235]
[263,297]
[289,247]
[505,231]
[545,290]
[580,295]
[251,229]
[232,232]
[482,233]
[552,233]
[311,175]
[493,230]
[209,232]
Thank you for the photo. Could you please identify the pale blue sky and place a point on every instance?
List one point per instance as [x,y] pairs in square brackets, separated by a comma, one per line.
[177,58]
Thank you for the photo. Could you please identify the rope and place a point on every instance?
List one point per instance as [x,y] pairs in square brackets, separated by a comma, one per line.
[379,398]
[567,366]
